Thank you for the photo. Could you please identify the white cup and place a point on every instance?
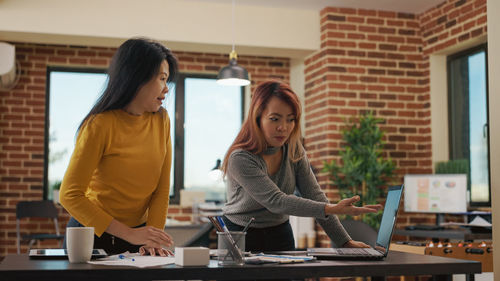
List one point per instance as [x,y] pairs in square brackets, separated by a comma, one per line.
[79,243]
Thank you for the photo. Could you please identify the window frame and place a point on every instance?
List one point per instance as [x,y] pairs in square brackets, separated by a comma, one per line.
[49,70]
[449,59]
[178,148]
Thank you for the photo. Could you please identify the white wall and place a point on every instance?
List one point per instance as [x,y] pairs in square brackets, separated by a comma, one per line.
[188,25]
[493,7]
[439,108]
[297,82]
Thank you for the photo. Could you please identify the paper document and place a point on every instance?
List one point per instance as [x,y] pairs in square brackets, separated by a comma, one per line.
[134,259]
[265,258]
[476,222]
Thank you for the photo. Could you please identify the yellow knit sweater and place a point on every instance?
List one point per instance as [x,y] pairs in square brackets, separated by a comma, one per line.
[120,169]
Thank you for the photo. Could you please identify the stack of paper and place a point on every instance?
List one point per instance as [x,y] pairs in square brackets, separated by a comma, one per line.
[476,222]
[265,258]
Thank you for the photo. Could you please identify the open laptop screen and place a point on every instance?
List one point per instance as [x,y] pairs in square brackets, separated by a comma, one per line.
[389,217]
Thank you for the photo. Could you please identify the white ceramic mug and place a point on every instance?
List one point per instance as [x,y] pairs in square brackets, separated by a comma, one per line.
[79,243]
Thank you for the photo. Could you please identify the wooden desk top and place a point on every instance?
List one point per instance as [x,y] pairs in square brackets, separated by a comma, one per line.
[20,267]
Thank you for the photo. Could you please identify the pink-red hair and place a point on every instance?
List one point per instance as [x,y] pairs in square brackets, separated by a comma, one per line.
[251,138]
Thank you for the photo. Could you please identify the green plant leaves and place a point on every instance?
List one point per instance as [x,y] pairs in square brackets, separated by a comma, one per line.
[361,162]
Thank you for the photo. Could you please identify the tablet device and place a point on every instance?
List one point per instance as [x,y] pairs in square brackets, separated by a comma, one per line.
[60,254]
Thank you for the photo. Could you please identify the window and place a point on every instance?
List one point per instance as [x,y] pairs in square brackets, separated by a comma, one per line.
[71,93]
[205,118]
[468,110]
[208,117]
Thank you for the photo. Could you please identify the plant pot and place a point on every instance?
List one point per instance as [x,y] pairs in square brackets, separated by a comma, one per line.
[55,196]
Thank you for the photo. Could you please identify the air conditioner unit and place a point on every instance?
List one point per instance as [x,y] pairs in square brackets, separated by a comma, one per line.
[8,77]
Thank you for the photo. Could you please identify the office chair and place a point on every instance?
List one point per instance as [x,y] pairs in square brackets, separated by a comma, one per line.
[36,209]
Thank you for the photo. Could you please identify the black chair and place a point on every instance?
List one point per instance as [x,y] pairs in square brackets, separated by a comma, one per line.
[36,209]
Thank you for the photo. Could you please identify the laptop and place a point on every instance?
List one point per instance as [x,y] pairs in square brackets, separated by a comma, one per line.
[383,238]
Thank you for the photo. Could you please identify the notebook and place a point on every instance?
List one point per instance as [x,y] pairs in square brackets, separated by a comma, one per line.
[383,238]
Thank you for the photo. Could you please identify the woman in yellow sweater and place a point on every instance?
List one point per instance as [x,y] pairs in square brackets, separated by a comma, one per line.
[118,179]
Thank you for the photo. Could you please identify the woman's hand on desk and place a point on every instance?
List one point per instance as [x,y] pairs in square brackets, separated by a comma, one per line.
[346,207]
[355,244]
[149,236]
[145,250]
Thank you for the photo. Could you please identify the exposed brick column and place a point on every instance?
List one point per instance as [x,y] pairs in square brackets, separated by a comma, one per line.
[378,60]
[369,60]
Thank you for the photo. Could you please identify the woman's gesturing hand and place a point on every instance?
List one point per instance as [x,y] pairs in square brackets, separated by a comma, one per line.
[149,236]
[346,207]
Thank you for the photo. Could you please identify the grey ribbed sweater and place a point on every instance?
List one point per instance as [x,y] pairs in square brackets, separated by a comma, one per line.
[252,192]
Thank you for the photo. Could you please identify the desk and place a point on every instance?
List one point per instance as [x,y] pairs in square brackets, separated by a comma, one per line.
[463,234]
[20,267]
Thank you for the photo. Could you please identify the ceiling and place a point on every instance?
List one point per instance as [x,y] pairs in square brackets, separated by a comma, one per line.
[407,6]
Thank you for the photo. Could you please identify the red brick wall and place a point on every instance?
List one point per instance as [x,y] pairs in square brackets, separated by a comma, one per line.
[451,23]
[22,121]
[379,61]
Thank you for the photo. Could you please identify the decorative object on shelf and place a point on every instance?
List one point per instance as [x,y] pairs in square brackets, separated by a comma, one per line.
[233,74]
[362,170]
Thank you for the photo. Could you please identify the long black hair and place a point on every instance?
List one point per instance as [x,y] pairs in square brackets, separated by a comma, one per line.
[134,64]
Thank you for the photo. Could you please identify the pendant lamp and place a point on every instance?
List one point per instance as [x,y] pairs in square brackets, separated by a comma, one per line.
[233,74]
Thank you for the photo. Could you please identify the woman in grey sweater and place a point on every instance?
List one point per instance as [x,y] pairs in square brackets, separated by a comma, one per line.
[266,165]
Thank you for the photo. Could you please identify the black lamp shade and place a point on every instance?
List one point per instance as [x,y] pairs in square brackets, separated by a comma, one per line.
[233,74]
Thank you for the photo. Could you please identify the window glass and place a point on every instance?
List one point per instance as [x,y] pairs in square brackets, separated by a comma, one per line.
[468,99]
[213,115]
[72,95]
[169,104]
[478,124]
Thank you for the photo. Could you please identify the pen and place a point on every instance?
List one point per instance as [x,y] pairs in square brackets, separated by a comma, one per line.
[248,225]
[216,224]
[244,229]
[122,257]
[222,224]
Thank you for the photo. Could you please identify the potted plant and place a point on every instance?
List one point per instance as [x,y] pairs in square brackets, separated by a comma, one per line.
[55,191]
[362,170]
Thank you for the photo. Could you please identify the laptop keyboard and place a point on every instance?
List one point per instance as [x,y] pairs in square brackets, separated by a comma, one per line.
[354,251]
